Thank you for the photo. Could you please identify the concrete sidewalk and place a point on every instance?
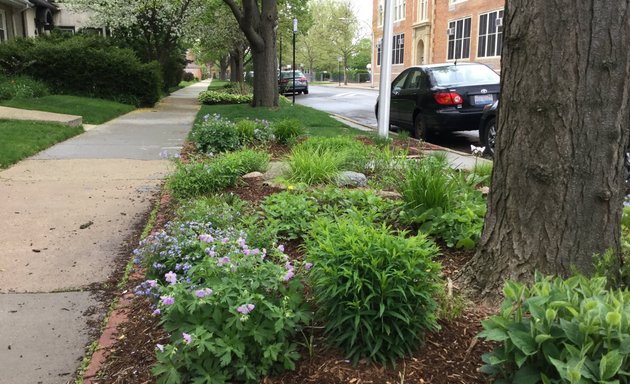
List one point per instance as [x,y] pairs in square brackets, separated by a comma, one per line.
[68,213]
[27,114]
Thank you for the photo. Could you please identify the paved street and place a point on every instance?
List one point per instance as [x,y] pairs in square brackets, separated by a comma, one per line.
[358,104]
[69,213]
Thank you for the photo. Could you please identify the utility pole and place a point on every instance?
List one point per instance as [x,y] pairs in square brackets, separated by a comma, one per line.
[294,34]
[386,71]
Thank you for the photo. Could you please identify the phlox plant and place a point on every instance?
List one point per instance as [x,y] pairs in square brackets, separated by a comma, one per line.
[231,314]
[374,290]
[254,132]
[214,134]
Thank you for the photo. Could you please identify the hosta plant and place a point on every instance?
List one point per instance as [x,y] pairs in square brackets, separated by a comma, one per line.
[560,331]
[374,290]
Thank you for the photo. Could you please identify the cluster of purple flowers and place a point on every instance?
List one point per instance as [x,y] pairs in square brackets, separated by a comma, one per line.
[245,309]
[201,293]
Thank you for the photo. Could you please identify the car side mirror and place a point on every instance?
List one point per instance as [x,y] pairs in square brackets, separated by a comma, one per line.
[396,91]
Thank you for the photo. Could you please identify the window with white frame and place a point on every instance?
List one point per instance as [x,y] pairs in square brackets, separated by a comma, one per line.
[455,1]
[398,49]
[490,34]
[400,7]
[423,10]
[459,39]
[3,26]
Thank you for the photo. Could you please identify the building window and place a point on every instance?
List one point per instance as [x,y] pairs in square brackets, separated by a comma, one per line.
[3,26]
[423,10]
[459,39]
[455,1]
[400,7]
[398,50]
[490,34]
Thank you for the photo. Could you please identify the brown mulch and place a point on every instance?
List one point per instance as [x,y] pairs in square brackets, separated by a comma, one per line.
[451,355]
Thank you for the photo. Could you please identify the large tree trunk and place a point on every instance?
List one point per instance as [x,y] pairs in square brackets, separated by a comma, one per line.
[258,23]
[236,65]
[558,181]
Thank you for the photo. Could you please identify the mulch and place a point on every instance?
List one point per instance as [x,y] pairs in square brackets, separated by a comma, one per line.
[452,355]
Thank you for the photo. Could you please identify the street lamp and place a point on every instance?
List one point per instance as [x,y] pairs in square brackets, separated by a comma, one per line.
[295,29]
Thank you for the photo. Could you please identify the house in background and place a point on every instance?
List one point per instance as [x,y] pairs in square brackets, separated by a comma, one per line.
[437,31]
[30,18]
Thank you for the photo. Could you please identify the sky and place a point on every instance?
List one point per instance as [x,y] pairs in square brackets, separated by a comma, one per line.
[363,11]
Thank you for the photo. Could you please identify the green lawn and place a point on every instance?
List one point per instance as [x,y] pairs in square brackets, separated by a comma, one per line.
[317,123]
[94,111]
[217,84]
[181,85]
[21,139]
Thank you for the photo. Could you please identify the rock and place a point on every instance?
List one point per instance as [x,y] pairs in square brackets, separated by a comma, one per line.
[484,190]
[389,195]
[351,179]
[276,169]
[253,175]
[271,184]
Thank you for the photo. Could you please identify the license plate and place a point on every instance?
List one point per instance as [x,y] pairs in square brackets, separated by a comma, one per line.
[483,99]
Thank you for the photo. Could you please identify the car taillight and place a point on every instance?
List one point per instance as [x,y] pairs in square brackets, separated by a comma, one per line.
[302,78]
[284,81]
[448,98]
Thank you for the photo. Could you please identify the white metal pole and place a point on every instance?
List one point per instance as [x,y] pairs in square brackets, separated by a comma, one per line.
[386,70]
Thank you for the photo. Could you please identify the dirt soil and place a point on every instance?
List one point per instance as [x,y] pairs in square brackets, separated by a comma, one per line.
[452,355]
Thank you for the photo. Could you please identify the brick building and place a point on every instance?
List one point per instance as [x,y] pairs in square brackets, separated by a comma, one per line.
[436,31]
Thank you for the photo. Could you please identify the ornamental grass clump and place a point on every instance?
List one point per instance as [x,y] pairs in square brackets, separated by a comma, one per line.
[374,290]
[560,331]
[287,131]
[231,312]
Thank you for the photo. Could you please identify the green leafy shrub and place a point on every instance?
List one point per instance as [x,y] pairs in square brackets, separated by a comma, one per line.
[86,66]
[214,97]
[238,88]
[231,313]
[215,174]
[254,132]
[215,135]
[560,331]
[374,290]
[442,203]
[187,76]
[21,87]
[291,214]
[287,130]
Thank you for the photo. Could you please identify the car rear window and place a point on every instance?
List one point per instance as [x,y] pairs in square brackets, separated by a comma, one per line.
[289,74]
[464,75]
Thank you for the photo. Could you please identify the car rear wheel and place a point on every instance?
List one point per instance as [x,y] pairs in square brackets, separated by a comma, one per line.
[420,130]
[306,91]
[488,135]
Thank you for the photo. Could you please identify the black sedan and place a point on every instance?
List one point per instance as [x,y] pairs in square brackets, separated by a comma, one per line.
[285,82]
[438,98]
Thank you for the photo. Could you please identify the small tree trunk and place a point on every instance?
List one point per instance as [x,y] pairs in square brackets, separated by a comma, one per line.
[558,179]
[224,64]
[236,65]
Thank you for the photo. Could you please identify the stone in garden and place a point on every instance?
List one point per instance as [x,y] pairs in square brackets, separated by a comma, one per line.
[484,190]
[389,195]
[276,169]
[351,179]
[253,175]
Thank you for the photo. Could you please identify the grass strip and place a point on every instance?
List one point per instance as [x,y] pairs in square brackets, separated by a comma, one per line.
[21,139]
[93,111]
[317,123]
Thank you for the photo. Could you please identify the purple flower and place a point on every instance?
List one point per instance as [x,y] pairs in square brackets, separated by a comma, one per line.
[152,283]
[171,277]
[201,293]
[160,347]
[157,311]
[281,248]
[167,300]
[206,238]
[308,266]
[224,240]
[245,308]
[187,338]
[223,260]
[289,275]
[210,252]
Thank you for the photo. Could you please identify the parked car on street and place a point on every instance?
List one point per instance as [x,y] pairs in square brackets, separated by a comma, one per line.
[488,127]
[285,82]
[436,98]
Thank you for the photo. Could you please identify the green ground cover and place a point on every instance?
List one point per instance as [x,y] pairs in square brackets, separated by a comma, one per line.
[94,111]
[317,123]
[21,139]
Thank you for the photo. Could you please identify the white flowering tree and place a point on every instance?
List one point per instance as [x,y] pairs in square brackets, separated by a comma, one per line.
[157,24]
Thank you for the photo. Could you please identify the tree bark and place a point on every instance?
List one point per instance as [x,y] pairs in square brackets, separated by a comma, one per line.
[558,180]
[224,64]
[258,23]
[236,65]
